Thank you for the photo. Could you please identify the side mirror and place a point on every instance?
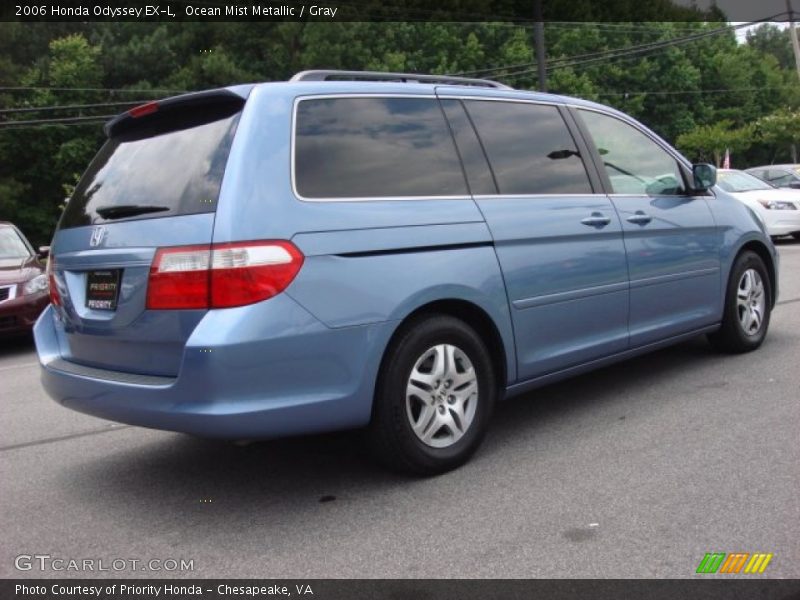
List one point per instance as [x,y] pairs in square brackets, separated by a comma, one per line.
[44,251]
[795,185]
[704,175]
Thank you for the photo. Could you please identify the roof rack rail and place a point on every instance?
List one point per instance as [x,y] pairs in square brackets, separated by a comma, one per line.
[332,75]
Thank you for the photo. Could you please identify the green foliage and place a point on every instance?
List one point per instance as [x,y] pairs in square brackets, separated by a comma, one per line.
[780,131]
[709,94]
[709,142]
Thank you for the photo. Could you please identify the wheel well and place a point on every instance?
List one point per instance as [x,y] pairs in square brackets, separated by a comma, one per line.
[475,317]
[765,255]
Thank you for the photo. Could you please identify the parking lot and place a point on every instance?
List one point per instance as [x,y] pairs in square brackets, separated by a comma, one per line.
[636,470]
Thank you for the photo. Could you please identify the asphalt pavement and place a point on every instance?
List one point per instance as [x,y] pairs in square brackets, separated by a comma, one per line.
[633,471]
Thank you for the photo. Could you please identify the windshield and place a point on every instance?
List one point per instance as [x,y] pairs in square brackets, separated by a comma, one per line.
[172,169]
[739,181]
[11,245]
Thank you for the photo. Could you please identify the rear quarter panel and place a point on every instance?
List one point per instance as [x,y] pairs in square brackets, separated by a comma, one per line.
[366,261]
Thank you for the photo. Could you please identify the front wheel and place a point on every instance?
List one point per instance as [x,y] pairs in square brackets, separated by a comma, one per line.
[748,304]
[434,397]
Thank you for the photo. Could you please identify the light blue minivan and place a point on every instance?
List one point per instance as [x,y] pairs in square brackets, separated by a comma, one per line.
[392,252]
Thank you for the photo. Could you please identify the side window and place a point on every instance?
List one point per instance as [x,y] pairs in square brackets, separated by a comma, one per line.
[479,176]
[375,147]
[529,148]
[634,163]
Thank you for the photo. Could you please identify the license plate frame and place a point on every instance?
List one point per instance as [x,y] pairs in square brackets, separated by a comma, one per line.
[102,289]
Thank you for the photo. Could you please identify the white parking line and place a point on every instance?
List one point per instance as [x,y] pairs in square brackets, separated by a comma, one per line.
[23,366]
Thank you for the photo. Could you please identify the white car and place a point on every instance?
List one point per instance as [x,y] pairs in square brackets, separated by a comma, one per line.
[778,208]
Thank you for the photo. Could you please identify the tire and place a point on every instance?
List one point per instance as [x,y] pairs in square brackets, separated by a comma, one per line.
[748,305]
[451,416]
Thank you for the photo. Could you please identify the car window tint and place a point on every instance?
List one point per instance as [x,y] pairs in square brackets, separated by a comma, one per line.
[479,176]
[529,148]
[375,147]
[175,165]
[634,163]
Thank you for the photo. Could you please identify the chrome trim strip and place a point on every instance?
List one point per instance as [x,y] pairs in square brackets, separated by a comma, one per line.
[12,292]
[639,283]
[587,195]
[434,95]
[292,149]
[494,99]
[393,77]
[60,365]
[570,295]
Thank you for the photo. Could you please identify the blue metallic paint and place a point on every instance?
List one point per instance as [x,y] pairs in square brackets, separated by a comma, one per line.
[263,370]
[307,360]
[559,274]
[673,264]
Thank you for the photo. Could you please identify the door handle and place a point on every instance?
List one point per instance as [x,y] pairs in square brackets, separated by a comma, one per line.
[639,218]
[596,220]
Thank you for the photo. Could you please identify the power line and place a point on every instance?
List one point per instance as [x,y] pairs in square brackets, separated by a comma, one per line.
[15,110]
[679,92]
[73,89]
[82,124]
[617,52]
[634,28]
[555,62]
[63,120]
[631,51]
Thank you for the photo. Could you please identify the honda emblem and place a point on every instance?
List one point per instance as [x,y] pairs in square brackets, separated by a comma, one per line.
[98,235]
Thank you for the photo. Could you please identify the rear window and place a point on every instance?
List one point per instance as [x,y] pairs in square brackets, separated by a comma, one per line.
[373,148]
[169,166]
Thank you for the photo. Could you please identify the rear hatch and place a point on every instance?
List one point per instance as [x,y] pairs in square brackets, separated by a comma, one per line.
[154,184]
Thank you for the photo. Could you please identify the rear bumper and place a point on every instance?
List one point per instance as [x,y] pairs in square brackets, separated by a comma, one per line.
[18,315]
[262,371]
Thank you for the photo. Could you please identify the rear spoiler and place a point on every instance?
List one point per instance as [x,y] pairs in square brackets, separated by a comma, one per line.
[219,99]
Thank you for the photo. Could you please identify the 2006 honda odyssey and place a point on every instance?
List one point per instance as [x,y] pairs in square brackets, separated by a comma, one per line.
[387,251]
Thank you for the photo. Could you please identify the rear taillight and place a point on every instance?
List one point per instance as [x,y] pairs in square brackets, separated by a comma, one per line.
[221,275]
[143,109]
[179,278]
[55,297]
[248,272]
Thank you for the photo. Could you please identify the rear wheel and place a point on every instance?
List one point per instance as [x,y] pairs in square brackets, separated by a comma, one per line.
[748,303]
[434,397]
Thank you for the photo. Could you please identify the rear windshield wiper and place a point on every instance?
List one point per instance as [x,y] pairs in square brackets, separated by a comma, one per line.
[120,211]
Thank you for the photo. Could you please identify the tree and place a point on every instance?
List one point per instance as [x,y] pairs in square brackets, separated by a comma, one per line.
[769,39]
[781,131]
[35,168]
[709,142]
[681,91]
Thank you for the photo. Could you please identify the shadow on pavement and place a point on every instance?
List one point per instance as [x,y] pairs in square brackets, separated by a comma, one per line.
[786,241]
[178,478]
[16,345]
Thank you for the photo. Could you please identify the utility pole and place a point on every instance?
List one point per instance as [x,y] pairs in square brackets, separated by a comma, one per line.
[538,39]
[793,34]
